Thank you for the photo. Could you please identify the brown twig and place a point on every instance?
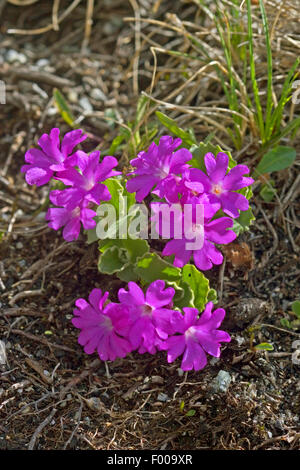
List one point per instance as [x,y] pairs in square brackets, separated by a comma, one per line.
[40,428]
[43,341]
[48,27]
[35,76]
[88,25]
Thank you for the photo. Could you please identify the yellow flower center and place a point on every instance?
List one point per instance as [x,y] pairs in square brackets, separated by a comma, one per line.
[217,189]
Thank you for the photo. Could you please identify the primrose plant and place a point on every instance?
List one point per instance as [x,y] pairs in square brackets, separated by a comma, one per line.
[196,199]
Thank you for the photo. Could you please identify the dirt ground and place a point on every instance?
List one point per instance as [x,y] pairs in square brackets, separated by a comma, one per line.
[52,395]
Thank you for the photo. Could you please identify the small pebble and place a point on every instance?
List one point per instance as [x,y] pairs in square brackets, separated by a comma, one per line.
[214,361]
[42,63]
[73,96]
[94,403]
[26,410]
[85,104]
[14,56]
[162,397]
[51,111]
[156,379]
[19,245]
[240,340]
[98,94]
[221,382]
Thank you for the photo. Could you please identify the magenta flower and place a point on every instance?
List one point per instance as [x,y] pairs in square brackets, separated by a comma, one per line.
[85,182]
[150,314]
[220,186]
[206,230]
[195,336]
[53,156]
[103,328]
[205,257]
[158,167]
[70,218]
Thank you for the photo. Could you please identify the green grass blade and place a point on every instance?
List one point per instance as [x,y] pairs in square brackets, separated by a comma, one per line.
[284,98]
[253,75]
[291,128]
[269,69]
[63,107]
[233,101]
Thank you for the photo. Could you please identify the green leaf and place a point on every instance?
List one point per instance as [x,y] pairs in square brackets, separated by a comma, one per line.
[268,191]
[116,189]
[128,273]
[279,158]
[151,267]
[264,347]
[243,222]
[285,323]
[131,250]
[134,248]
[198,283]
[115,144]
[172,126]
[181,406]
[91,236]
[296,308]
[122,201]
[184,296]
[63,107]
[212,296]
[112,260]
[141,108]
[191,413]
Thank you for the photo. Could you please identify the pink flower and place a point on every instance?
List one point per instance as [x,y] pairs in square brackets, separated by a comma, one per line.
[210,231]
[103,328]
[220,186]
[53,157]
[85,182]
[70,218]
[157,168]
[150,314]
[85,191]
[195,336]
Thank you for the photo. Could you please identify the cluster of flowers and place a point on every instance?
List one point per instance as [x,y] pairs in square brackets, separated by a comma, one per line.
[165,172]
[82,172]
[162,170]
[144,322]
[147,323]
